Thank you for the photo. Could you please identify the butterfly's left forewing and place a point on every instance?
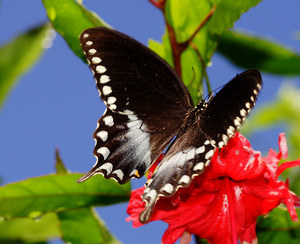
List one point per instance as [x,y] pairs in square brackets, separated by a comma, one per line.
[146,103]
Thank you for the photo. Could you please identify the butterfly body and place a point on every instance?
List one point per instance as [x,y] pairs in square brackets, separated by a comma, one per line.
[149,110]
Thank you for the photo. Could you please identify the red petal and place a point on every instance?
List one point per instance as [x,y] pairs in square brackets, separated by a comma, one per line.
[283,146]
[222,204]
[287,165]
[154,166]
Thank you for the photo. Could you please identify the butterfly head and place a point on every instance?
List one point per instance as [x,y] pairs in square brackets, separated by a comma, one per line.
[202,105]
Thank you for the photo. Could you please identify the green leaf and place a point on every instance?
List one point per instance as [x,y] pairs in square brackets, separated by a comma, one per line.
[30,230]
[35,196]
[84,226]
[278,228]
[185,17]
[254,52]
[227,13]
[18,57]
[59,165]
[70,18]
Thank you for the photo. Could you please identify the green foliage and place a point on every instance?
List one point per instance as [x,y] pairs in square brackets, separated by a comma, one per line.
[278,228]
[30,230]
[59,165]
[38,209]
[57,206]
[84,226]
[18,56]
[185,17]
[69,18]
[253,52]
[56,193]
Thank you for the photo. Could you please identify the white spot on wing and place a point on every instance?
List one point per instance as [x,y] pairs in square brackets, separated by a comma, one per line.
[113,107]
[85,35]
[107,166]
[106,90]
[96,60]
[104,151]
[225,138]
[209,154]
[104,79]
[146,190]
[108,120]
[248,105]
[258,86]
[206,142]
[198,166]
[103,135]
[128,112]
[111,100]
[100,69]
[191,154]
[134,123]
[89,43]
[167,188]
[237,122]
[230,131]
[92,51]
[119,173]
[243,112]
[133,172]
[185,179]
[132,117]
[221,144]
[200,150]
[152,194]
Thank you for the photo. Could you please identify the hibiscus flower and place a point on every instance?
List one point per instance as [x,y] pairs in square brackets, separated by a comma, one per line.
[223,203]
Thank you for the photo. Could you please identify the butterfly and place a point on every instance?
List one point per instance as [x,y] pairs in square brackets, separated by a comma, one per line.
[150,110]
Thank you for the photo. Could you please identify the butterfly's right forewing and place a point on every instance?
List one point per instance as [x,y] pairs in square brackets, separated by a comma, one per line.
[205,131]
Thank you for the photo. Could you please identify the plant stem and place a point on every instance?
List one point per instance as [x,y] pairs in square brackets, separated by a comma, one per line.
[178,48]
[207,17]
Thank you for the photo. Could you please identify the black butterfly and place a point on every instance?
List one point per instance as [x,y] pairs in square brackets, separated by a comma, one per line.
[148,106]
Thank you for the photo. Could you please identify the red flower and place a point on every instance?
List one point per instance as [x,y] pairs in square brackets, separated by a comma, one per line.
[223,203]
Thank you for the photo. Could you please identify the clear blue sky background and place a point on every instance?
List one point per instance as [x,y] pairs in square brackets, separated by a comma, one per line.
[56,104]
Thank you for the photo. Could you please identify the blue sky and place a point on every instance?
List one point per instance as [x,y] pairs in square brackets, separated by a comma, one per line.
[56,104]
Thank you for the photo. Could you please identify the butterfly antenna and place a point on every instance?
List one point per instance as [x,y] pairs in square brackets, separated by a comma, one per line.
[193,79]
[203,65]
